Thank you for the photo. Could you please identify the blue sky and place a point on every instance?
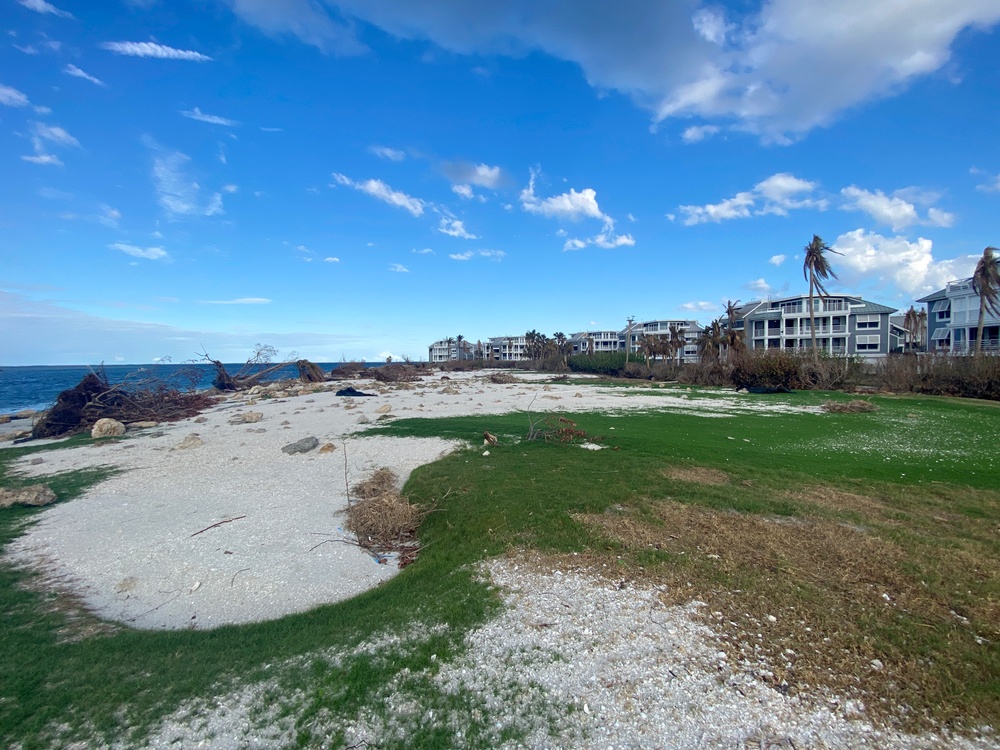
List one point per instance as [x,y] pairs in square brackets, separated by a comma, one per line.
[357,179]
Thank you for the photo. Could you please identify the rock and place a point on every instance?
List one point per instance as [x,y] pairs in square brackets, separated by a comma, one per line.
[141,425]
[327,448]
[34,495]
[5,418]
[191,441]
[25,414]
[383,409]
[383,417]
[201,420]
[37,461]
[105,428]
[449,390]
[16,435]
[250,417]
[301,446]
[362,419]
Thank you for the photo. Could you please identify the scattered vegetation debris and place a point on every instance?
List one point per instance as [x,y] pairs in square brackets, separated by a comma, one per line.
[397,373]
[697,474]
[502,378]
[142,397]
[852,407]
[259,365]
[554,429]
[309,372]
[383,520]
[489,438]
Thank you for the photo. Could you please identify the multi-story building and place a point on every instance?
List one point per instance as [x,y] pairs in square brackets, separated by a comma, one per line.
[586,342]
[505,349]
[688,329]
[447,350]
[845,325]
[953,320]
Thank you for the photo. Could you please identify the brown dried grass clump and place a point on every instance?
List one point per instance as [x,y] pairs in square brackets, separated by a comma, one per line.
[697,475]
[502,378]
[381,518]
[849,407]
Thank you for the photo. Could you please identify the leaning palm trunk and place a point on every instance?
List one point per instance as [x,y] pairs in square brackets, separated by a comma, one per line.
[979,325]
[812,319]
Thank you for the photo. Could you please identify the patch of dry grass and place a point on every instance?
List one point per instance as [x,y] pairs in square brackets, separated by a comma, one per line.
[849,407]
[382,519]
[697,475]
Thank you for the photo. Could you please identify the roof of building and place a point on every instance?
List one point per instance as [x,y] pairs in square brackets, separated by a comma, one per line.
[933,296]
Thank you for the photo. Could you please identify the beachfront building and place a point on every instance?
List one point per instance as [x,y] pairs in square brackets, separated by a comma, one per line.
[953,320]
[689,331]
[448,350]
[505,349]
[845,325]
[586,342]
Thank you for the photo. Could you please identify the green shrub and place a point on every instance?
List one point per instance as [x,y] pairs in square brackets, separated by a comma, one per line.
[599,363]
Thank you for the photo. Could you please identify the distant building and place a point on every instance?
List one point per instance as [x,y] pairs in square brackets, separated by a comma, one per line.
[688,329]
[953,320]
[845,325]
[447,350]
[586,342]
[505,349]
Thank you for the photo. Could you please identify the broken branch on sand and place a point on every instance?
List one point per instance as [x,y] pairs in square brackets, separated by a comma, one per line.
[228,520]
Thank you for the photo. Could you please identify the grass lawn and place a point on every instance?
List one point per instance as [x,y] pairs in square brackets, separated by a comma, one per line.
[855,552]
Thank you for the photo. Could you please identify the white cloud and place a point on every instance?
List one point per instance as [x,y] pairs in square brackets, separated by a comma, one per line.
[54,134]
[77,73]
[763,66]
[463,190]
[149,253]
[910,267]
[45,159]
[462,256]
[608,239]
[496,255]
[777,260]
[41,6]
[574,244]
[423,251]
[778,194]
[467,173]
[154,50]
[11,97]
[760,286]
[177,191]
[381,191]
[699,306]
[197,114]
[384,152]
[238,301]
[895,211]
[398,268]
[992,184]
[331,260]
[697,133]
[231,189]
[455,228]
[109,216]
[572,205]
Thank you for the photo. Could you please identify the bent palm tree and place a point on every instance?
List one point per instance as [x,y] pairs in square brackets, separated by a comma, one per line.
[911,324]
[816,269]
[986,283]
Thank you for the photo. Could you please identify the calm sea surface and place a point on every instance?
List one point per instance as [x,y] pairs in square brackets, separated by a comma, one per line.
[36,387]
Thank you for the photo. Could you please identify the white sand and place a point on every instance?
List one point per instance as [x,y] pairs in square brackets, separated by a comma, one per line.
[129,545]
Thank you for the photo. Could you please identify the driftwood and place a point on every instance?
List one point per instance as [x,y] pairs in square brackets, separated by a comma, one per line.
[215,525]
[256,368]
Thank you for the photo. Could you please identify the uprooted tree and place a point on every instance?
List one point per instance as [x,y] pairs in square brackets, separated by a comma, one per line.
[258,366]
[144,395]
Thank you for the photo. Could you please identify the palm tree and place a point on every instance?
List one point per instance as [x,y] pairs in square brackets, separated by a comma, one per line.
[710,341]
[922,327]
[449,341]
[911,324]
[649,345]
[561,344]
[459,342]
[734,337]
[590,346]
[816,269]
[986,283]
[676,342]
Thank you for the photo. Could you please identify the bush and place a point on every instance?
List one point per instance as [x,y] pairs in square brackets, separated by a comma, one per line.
[600,363]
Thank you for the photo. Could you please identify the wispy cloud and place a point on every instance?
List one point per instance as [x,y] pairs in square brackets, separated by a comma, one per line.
[42,136]
[149,253]
[697,133]
[44,159]
[154,50]
[467,173]
[778,195]
[176,191]
[456,228]
[41,6]
[197,114]
[398,268]
[423,251]
[109,216]
[78,73]
[381,191]
[468,254]
[11,97]
[699,306]
[331,259]
[760,286]
[238,301]
[494,255]
[384,152]
[777,260]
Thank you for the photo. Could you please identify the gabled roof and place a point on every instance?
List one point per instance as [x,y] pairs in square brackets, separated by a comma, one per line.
[939,294]
[867,307]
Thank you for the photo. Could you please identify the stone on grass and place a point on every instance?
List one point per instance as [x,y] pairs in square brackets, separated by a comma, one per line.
[34,495]
[106,427]
[301,446]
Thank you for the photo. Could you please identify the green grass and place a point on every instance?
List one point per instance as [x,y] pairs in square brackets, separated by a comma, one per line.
[919,460]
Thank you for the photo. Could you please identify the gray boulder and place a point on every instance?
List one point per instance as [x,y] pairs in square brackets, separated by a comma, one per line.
[301,446]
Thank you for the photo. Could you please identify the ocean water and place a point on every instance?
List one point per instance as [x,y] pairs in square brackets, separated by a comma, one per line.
[36,387]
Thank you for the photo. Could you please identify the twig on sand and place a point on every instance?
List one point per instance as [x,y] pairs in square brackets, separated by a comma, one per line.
[228,520]
[233,582]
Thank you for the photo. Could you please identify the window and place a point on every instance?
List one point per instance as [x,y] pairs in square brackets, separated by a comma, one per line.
[867,322]
[867,343]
